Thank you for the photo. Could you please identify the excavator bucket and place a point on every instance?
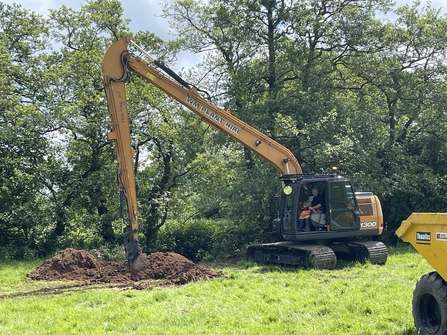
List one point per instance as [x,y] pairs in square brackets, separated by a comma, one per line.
[136,259]
[140,263]
[427,233]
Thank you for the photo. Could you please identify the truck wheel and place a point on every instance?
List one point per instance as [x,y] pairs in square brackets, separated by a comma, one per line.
[430,305]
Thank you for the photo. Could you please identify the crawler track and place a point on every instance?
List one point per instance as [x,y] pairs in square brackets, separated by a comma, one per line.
[361,250]
[318,256]
[289,253]
[377,251]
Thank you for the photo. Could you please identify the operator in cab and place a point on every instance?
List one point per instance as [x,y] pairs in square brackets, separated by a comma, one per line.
[316,206]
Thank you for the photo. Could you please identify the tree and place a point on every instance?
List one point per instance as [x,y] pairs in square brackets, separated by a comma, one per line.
[24,128]
[275,63]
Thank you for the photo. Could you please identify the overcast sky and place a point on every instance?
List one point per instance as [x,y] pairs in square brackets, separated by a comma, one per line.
[144,14]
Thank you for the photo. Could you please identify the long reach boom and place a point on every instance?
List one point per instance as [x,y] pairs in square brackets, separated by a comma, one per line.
[116,62]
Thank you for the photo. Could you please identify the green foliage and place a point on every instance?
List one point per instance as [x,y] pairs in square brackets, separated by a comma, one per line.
[193,239]
[80,239]
[199,239]
[10,252]
[351,91]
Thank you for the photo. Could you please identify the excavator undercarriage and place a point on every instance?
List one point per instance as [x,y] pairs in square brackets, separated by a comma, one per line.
[317,255]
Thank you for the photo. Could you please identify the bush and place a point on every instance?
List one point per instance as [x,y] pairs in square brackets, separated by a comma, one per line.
[80,239]
[17,253]
[199,239]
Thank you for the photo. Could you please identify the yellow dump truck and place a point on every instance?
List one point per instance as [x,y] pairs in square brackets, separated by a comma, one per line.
[427,232]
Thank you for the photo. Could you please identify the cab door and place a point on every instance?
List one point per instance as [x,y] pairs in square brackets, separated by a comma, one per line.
[343,209]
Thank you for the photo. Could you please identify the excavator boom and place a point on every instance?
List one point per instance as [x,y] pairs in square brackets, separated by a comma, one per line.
[118,58]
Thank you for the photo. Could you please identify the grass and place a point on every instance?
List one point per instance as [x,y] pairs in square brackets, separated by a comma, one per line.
[354,298]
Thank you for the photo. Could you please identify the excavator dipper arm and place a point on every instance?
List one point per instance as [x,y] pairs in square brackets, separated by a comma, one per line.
[114,84]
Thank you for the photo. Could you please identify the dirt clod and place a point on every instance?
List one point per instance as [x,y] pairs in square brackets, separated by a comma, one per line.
[80,265]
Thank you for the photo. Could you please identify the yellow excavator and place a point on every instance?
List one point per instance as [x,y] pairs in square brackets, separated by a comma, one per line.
[343,224]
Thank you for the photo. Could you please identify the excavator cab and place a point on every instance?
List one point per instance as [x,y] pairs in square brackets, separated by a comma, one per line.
[339,212]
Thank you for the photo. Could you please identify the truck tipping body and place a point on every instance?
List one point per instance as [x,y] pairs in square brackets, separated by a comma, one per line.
[427,233]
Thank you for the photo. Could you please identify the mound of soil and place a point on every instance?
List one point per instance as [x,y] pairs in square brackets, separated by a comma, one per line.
[80,265]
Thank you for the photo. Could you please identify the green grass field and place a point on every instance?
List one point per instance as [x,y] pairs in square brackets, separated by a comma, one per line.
[352,299]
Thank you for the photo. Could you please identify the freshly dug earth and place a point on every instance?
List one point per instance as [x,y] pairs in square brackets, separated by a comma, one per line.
[80,265]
